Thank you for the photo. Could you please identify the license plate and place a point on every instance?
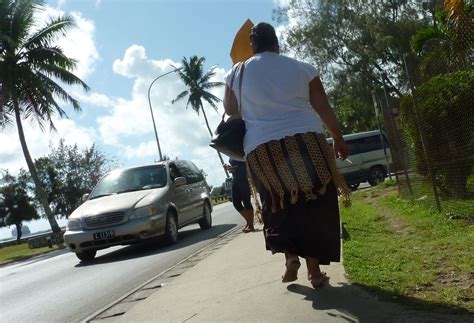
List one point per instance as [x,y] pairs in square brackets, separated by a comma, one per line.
[103,235]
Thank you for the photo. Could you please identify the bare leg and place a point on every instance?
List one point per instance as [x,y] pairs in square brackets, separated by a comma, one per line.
[315,275]
[245,218]
[248,215]
[292,266]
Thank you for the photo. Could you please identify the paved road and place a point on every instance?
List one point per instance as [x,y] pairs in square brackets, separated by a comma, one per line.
[60,289]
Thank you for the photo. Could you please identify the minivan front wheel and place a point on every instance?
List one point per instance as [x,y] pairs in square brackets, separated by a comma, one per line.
[376,175]
[86,255]
[171,229]
[206,221]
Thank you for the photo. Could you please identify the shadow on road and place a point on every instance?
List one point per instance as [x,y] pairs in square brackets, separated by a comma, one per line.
[354,304]
[157,245]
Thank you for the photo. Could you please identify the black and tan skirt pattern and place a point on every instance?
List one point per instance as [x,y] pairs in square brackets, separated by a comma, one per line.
[302,164]
[298,183]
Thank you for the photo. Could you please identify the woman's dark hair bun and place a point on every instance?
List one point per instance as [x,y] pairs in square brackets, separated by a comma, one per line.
[263,37]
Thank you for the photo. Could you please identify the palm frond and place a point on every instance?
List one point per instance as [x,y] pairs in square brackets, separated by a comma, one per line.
[54,28]
[50,55]
[61,74]
[211,85]
[198,82]
[180,96]
[20,19]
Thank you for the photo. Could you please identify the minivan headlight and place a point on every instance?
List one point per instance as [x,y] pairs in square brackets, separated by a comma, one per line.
[145,211]
[74,225]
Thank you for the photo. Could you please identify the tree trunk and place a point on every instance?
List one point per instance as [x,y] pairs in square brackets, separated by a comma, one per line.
[31,167]
[210,133]
[18,232]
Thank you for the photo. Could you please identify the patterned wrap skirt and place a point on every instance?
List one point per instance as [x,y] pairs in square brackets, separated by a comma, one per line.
[298,183]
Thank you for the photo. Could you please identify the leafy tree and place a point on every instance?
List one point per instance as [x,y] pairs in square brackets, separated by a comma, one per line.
[16,206]
[447,45]
[199,84]
[67,173]
[357,45]
[353,105]
[30,66]
[446,117]
[217,191]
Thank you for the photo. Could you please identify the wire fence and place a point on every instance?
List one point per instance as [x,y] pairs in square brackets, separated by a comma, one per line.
[431,130]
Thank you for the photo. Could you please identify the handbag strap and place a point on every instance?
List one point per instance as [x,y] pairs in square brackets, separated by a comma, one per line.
[242,69]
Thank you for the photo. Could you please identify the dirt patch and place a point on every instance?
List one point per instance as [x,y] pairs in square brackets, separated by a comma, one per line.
[388,216]
[464,283]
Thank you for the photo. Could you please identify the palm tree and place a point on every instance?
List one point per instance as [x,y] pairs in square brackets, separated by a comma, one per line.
[198,83]
[30,66]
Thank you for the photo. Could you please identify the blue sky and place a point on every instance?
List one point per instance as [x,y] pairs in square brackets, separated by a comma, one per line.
[121,46]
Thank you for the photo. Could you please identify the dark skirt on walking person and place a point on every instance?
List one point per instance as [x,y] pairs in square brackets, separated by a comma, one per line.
[298,183]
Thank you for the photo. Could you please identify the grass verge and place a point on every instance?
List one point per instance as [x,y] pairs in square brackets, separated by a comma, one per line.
[405,252]
[22,252]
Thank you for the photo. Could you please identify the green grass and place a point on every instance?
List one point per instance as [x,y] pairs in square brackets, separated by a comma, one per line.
[22,252]
[405,252]
[451,207]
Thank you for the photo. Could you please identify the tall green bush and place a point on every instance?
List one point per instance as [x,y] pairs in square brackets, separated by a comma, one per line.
[446,109]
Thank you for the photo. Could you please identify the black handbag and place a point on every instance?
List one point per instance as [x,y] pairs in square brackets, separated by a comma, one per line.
[229,135]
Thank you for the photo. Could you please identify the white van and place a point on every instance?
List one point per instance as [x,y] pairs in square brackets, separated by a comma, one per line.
[369,158]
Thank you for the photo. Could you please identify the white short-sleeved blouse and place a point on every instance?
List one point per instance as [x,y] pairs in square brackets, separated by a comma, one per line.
[275,98]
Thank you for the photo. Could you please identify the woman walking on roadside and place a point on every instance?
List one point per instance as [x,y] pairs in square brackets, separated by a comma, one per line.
[284,106]
[241,192]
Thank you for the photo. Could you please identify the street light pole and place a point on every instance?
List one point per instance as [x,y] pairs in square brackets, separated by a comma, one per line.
[151,110]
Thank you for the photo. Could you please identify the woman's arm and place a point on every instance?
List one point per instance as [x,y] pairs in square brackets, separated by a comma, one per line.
[319,102]
[231,106]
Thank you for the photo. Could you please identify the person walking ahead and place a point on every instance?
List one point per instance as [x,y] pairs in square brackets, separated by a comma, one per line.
[284,106]
[241,192]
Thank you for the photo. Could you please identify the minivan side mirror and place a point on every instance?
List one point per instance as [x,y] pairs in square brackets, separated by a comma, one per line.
[179,181]
[85,197]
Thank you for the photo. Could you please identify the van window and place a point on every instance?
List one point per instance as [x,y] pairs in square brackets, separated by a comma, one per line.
[371,143]
[174,172]
[196,173]
[189,171]
[352,147]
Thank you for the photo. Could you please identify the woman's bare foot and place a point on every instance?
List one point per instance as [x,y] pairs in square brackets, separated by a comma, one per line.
[315,275]
[292,266]
[317,281]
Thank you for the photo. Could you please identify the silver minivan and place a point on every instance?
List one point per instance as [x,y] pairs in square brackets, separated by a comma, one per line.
[369,158]
[134,204]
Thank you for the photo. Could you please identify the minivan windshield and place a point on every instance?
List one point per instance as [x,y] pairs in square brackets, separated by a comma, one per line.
[129,180]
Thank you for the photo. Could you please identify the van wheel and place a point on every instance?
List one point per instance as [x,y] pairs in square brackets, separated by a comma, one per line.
[86,255]
[206,222]
[171,229]
[354,186]
[376,175]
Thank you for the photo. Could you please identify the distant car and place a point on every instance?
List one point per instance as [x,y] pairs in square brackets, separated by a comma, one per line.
[134,204]
[369,158]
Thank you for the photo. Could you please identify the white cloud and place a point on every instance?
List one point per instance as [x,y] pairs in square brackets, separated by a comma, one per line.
[38,142]
[282,3]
